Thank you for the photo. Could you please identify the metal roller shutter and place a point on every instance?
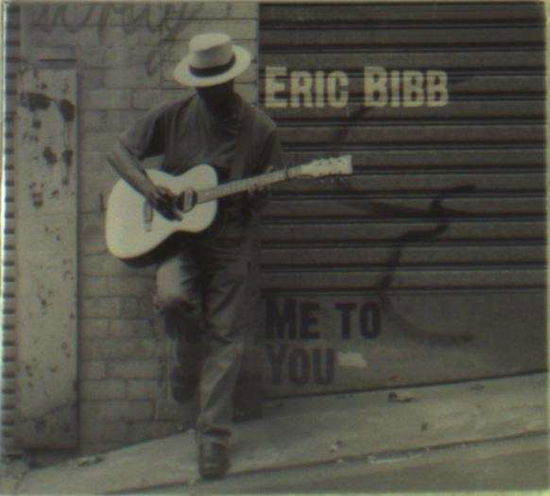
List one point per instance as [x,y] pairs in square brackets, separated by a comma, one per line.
[9,341]
[428,264]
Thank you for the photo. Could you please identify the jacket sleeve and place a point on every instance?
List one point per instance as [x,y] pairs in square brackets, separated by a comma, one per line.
[146,137]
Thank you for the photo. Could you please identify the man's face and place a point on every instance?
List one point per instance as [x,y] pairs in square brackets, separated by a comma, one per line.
[216,96]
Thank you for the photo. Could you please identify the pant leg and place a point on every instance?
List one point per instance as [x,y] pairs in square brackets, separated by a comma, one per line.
[226,269]
[179,302]
[178,294]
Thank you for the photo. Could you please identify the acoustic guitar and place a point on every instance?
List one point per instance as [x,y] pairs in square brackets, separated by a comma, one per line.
[134,228]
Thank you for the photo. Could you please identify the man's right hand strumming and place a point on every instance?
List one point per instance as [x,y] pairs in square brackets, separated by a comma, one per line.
[164,201]
[129,168]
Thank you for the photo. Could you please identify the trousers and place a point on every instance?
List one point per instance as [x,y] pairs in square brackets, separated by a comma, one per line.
[203,288]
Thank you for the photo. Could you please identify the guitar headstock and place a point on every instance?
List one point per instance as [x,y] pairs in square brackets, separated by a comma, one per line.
[328,167]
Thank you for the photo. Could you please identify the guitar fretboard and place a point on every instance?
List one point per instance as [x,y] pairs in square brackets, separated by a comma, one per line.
[243,185]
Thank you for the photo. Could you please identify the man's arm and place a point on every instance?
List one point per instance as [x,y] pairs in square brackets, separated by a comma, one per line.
[131,170]
[270,159]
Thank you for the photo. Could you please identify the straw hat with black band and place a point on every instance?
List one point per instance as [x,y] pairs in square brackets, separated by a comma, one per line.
[212,59]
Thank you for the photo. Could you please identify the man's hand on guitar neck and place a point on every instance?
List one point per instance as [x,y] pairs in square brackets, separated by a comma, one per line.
[258,194]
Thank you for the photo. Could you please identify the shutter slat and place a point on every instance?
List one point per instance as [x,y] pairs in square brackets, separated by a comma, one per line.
[431,13]
[420,134]
[324,280]
[477,109]
[438,254]
[403,37]
[386,232]
[386,208]
[448,60]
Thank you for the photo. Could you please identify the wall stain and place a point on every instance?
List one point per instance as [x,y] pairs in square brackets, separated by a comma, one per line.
[37,198]
[67,110]
[67,156]
[34,101]
[39,101]
[50,156]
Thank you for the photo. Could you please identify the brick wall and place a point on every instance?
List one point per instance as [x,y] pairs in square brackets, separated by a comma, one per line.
[124,55]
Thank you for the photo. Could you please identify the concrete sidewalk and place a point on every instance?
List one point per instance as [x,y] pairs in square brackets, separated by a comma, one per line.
[305,433]
[511,464]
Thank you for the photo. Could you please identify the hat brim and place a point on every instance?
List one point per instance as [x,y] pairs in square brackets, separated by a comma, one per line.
[183,75]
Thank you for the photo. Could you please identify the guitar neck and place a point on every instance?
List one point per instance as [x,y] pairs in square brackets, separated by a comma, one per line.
[243,185]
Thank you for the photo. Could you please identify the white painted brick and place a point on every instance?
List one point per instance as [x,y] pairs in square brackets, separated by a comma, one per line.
[236,28]
[93,369]
[98,141]
[214,10]
[90,327]
[135,76]
[142,431]
[136,307]
[91,120]
[93,200]
[139,389]
[93,431]
[147,98]
[93,286]
[98,174]
[106,285]
[92,224]
[42,36]
[91,78]
[105,264]
[244,10]
[115,306]
[138,286]
[93,159]
[98,121]
[104,389]
[134,39]
[94,245]
[120,349]
[192,11]
[132,328]
[100,307]
[106,99]
[122,119]
[118,410]
[135,369]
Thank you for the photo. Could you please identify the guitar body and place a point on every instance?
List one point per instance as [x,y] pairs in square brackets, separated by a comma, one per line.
[135,231]
[133,228]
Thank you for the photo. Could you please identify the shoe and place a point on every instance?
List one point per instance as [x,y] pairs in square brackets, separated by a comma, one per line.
[213,460]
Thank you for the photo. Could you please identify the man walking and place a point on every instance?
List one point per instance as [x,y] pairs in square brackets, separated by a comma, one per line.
[201,286]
